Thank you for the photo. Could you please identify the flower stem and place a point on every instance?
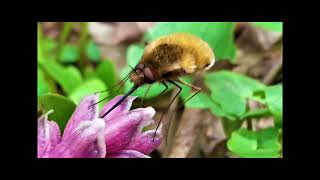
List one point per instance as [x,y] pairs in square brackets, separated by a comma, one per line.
[229,126]
[83,41]
[67,27]
[40,52]
[249,124]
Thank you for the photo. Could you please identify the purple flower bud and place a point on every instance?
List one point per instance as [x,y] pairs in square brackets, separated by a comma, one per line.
[118,135]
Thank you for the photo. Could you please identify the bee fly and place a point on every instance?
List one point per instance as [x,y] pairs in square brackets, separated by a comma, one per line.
[168,58]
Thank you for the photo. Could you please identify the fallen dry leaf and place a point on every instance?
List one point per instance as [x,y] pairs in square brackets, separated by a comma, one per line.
[212,134]
[187,134]
[252,38]
[118,32]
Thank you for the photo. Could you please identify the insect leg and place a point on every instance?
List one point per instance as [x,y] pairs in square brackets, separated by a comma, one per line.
[145,95]
[159,94]
[169,125]
[192,96]
[164,89]
[198,90]
[189,85]
[180,89]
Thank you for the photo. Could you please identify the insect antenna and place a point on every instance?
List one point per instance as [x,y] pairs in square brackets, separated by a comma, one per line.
[132,68]
[121,100]
[115,85]
[109,89]
[126,78]
[180,89]
[121,83]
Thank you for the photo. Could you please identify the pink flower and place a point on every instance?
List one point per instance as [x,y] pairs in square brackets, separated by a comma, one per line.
[117,135]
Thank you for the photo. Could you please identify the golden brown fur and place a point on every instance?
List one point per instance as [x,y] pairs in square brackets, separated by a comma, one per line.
[180,52]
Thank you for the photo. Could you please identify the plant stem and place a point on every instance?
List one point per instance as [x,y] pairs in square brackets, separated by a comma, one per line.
[249,124]
[83,41]
[40,52]
[67,27]
[263,112]
[273,73]
[229,126]
[83,35]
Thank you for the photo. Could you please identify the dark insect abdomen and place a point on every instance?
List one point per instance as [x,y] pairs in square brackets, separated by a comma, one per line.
[168,53]
[161,58]
[174,73]
[163,55]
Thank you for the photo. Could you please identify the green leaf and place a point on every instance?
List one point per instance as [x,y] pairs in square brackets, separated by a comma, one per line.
[272,26]
[106,72]
[49,47]
[43,86]
[134,54]
[237,83]
[89,72]
[217,110]
[66,30]
[201,100]
[260,144]
[230,125]
[40,53]
[274,101]
[49,44]
[230,90]
[219,35]
[264,112]
[68,77]
[88,87]
[69,54]
[62,106]
[93,51]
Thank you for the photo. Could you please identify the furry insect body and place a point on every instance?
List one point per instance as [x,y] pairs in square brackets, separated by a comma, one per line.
[168,58]
[172,56]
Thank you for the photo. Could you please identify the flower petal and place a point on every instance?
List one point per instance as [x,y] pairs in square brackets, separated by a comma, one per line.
[48,135]
[55,133]
[120,130]
[127,154]
[124,107]
[82,112]
[86,141]
[145,143]
[148,113]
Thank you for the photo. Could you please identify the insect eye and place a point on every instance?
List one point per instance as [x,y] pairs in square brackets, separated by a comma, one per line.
[139,66]
[147,72]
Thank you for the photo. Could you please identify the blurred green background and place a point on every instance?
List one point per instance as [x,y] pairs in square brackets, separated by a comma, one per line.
[76,59]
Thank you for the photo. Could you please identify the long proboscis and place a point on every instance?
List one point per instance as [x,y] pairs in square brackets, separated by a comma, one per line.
[121,100]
